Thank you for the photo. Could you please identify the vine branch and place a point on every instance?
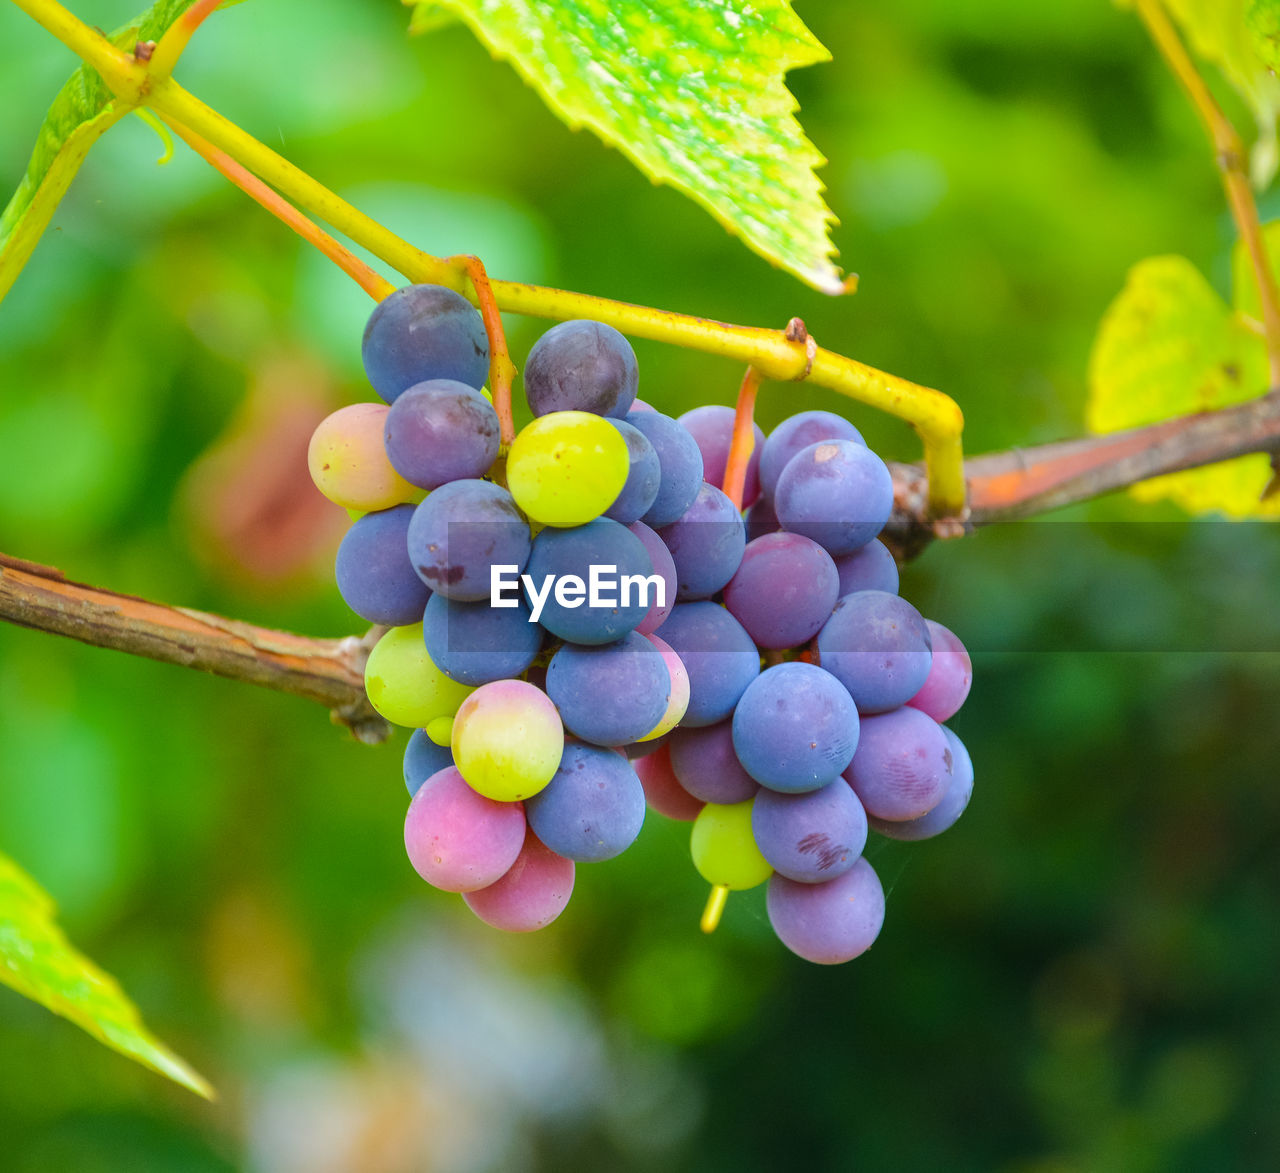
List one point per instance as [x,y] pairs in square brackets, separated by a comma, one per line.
[330,671]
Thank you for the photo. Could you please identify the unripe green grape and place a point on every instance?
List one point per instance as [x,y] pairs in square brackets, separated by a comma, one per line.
[404,685]
[507,740]
[723,848]
[567,468]
[441,730]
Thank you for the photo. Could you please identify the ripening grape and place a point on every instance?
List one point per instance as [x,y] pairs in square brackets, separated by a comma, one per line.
[348,461]
[662,789]
[877,645]
[869,568]
[424,332]
[644,476]
[374,574]
[951,805]
[679,460]
[665,569]
[612,694]
[475,643]
[458,840]
[718,655]
[837,492]
[593,807]
[724,849]
[828,923]
[423,757]
[678,701]
[811,837]
[581,365]
[796,433]
[532,893]
[950,675]
[795,728]
[706,766]
[706,543]
[711,427]
[903,764]
[566,468]
[441,431]
[404,685]
[507,740]
[783,590]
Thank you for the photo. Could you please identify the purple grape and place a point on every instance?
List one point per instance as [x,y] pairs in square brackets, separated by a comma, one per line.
[951,806]
[719,656]
[869,568]
[581,365]
[706,766]
[609,695]
[828,923]
[811,837]
[706,544]
[711,427]
[903,765]
[795,728]
[592,809]
[836,492]
[662,789]
[374,574]
[681,465]
[660,556]
[783,591]
[458,840]
[761,519]
[475,643]
[643,479]
[424,332]
[950,675]
[561,555]
[441,431]
[530,895]
[790,436]
[460,532]
[422,758]
[877,645]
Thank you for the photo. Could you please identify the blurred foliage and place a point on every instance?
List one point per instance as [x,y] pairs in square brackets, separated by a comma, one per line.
[1078,977]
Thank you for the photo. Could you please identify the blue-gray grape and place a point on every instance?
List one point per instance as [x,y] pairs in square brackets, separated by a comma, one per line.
[424,332]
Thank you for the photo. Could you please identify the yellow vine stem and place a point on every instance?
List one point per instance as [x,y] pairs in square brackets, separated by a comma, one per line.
[372,282]
[501,369]
[170,46]
[935,416]
[1230,153]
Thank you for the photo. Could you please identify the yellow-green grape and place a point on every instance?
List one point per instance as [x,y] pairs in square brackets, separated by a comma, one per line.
[441,730]
[724,850]
[507,740]
[567,468]
[348,460]
[404,685]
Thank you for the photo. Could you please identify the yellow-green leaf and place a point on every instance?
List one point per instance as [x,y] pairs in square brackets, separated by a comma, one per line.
[1263,20]
[1168,346]
[1218,32]
[80,113]
[38,961]
[694,92]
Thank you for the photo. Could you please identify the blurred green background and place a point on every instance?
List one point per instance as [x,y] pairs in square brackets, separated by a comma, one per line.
[1081,976]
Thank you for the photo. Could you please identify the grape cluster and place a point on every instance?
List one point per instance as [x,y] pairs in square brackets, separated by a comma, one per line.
[587,624]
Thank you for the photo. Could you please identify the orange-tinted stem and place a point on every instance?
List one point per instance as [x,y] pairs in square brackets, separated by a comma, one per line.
[170,46]
[744,438]
[501,369]
[373,283]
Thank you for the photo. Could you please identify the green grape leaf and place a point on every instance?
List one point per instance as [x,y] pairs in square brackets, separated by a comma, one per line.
[80,113]
[427,16]
[38,961]
[1219,32]
[1262,17]
[1167,346]
[694,93]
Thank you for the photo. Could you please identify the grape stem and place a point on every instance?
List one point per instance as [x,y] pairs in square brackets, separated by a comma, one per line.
[501,369]
[715,908]
[372,282]
[744,438]
[935,416]
[330,671]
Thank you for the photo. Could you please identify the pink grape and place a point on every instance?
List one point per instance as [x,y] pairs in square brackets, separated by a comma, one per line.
[459,840]
[528,897]
[662,789]
[947,685]
[663,566]
[828,923]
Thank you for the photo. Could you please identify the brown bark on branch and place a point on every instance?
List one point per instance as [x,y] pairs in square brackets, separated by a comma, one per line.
[1004,486]
[330,671]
